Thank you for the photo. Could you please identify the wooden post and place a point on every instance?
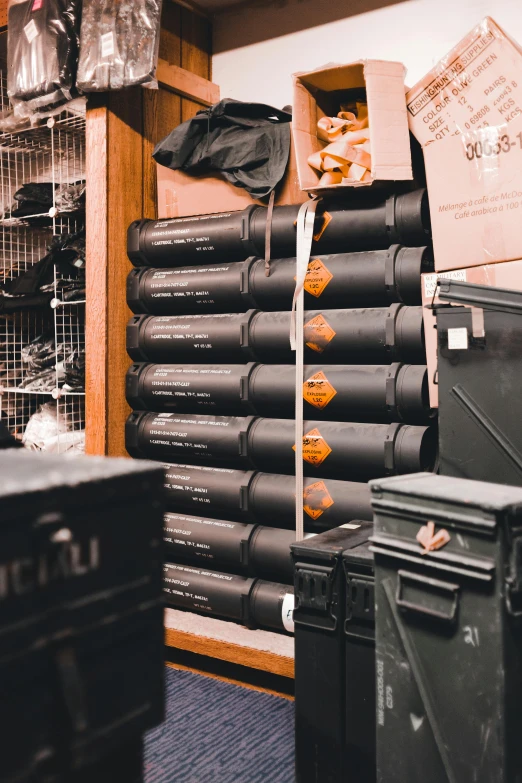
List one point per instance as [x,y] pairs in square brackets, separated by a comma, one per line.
[122,130]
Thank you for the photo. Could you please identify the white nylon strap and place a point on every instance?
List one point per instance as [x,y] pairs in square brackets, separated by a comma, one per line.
[305,232]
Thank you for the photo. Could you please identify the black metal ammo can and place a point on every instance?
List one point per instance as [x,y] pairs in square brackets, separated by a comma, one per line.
[330,694]
[448,582]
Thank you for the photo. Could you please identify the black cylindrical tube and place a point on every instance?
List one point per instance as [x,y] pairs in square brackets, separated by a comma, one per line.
[369,279]
[347,451]
[200,338]
[186,437]
[209,289]
[369,221]
[266,498]
[359,336]
[373,278]
[190,388]
[238,547]
[333,449]
[377,393]
[250,602]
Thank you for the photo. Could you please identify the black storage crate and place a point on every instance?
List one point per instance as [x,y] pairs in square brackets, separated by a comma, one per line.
[333,696]
[479,378]
[448,630]
[80,610]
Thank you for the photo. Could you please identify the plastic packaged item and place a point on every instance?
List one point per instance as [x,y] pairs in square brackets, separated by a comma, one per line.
[119,44]
[49,430]
[49,366]
[42,53]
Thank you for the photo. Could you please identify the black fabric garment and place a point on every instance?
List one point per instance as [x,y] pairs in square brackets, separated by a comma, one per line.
[118,44]
[70,198]
[249,143]
[66,251]
[32,198]
[13,304]
[35,192]
[74,366]
[42,51]
[7,441]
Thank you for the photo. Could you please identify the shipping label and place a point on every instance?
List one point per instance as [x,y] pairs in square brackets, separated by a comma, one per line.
[479,84]
[318,391]
[318,333]
[315,448]
[317,277]
[316,499]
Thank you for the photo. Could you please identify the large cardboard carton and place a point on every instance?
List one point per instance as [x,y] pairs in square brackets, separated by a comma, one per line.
[319,94]
[478,84]
[183,195]
[475,191]
[506,275]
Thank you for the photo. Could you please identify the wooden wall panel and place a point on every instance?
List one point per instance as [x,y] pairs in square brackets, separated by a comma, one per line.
[122,130]
[196,35]
[96,274]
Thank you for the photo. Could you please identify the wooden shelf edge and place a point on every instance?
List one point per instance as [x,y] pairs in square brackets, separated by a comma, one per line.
[233,653]
[187,84]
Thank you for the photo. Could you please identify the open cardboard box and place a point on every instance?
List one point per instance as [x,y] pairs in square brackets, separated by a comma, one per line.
[320,93]
[184,195]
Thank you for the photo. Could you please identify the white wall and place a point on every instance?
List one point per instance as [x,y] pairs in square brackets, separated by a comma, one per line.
[416,32]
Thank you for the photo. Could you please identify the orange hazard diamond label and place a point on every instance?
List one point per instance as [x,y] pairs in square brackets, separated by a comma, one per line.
[316,499]
[326,219]
[318,391]
[317,277]
[315,448]
[318,333]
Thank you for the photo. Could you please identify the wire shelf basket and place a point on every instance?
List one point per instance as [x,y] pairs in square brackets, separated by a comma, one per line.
[43,395]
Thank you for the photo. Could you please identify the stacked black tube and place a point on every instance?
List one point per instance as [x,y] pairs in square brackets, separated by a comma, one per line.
[212,386]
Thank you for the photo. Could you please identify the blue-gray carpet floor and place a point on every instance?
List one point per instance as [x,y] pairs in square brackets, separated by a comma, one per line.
[216,732]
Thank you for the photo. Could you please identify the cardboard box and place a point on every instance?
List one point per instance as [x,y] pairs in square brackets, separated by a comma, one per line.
[319,94]
[506,275]
[183,195]
[475,191]
[478,84]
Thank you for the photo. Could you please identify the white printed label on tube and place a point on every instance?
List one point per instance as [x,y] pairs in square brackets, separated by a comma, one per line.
[287,612]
